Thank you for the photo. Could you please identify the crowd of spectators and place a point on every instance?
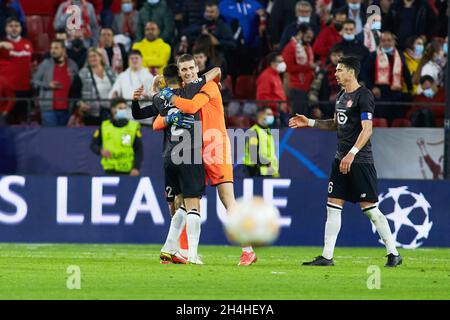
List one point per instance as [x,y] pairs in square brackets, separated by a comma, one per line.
[287,49]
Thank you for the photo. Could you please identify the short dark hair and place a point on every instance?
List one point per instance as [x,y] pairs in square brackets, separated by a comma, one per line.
[184,58]
[61,30]
[170,73]
[211,3]
[336,49]
[263,109]
[303,28]
[61,42]
[115,102]
[335,12]
[12,19]
[350,21]
[272,57]
[425,78]
[351,62]
[135,52]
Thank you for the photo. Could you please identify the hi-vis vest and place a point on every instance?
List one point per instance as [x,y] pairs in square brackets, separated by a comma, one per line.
[119,141]
[266,149]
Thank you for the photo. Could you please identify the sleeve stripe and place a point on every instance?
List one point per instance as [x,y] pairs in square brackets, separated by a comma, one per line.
[366,116]
[205,93]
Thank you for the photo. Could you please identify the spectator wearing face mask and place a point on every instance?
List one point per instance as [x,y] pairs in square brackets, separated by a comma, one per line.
[370,35]
[77,49]
[356,11]
[431,93]
[350,45]
[432,64]
[119,142]
[269,85]
[329,36]
[260,155]
[125,22]
[413,54]
[305,14]
[385,73]
[299,57]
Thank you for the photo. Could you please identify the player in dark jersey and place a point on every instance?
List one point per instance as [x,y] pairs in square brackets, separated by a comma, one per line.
[353,177]
[183,165]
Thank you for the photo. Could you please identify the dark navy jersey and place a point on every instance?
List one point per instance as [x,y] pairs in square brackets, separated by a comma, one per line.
[174,135]
[351,109]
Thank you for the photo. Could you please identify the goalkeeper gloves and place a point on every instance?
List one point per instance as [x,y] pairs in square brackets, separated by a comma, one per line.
[166,94]
[180,120]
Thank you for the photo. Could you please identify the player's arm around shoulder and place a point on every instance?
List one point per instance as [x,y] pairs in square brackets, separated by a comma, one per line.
[191,106]
[300,121]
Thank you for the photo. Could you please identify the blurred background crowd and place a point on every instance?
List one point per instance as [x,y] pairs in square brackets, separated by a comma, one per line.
[61,67]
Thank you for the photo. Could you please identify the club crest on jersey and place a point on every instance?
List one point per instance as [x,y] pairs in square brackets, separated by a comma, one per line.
[349,103]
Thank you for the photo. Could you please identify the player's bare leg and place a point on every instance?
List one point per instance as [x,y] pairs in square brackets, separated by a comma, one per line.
[169,252]
[193,228]
[226,195]
[371,210]
[332,228]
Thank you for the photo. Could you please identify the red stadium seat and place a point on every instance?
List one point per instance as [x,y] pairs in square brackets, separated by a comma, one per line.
[380,122]
[401,123]
[42,44]
[245,87]
[47,22]
[238,122]
[35,26]
[439,122]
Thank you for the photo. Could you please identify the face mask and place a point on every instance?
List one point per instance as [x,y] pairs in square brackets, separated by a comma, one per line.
[387,50]
[376,25]
[301,20]
[269,120]
[127,7]
[445,48]
[152,2]
[349,37]
[338,26]
[418,50]
[429,93]
[281,67]
[121,114]
[354,6]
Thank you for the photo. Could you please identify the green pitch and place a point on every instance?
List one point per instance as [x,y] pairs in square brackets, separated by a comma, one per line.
[133,272]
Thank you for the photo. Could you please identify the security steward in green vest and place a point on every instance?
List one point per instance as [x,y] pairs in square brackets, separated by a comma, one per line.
[119,142]
[260,156]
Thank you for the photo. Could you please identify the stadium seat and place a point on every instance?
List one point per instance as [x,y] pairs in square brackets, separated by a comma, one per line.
[401,122]
[245,87]
[238,122]
[439,122]
[47,22]
[229,84]
[35,26]
[42,44]
[380,122]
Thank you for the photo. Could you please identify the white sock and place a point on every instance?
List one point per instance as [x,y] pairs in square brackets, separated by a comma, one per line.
[247,249]
[332,227]
[193,226]
[382,225]
[176,227]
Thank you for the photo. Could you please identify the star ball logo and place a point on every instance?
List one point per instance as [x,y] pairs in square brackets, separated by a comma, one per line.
[409,213]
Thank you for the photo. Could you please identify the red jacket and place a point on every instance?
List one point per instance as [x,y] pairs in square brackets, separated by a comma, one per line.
[438,111]
[300,76]
[326,38]
[270,87]
[17,64]
[6,92]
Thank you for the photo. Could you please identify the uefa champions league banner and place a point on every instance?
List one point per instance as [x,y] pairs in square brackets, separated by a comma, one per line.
[409,153]
[133,210]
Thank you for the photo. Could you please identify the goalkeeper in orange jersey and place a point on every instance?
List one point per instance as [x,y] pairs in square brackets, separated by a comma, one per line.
[216,145]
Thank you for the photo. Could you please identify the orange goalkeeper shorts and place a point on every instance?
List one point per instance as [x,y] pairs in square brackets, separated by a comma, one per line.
[218,173]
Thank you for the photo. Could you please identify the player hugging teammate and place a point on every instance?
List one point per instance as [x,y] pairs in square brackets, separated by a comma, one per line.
[200,97]
[353,177]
